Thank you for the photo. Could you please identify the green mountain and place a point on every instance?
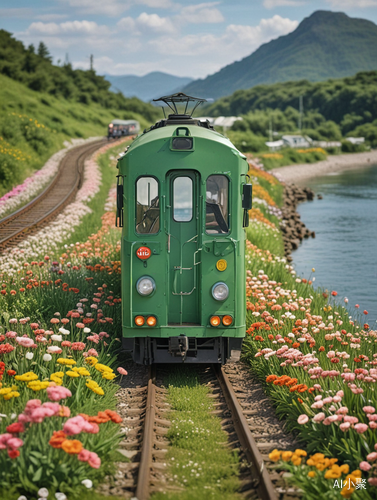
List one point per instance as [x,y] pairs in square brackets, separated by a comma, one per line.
[147,87]
[324,45]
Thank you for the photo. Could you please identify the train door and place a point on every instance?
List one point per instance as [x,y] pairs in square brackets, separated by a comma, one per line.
[183,230]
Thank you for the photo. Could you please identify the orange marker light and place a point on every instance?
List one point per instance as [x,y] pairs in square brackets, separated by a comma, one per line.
[139,320]
[215,320]
[227,320]
[151,321]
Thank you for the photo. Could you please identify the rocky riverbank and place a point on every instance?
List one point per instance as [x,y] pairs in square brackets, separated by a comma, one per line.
[292,227]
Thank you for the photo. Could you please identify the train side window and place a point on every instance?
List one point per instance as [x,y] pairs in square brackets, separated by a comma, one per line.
[182,199]
[217,204]
[147,205]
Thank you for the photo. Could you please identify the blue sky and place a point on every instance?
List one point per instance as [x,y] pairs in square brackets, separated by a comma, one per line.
[182,37]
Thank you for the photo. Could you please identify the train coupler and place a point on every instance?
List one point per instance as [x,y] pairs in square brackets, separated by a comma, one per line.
[178,346]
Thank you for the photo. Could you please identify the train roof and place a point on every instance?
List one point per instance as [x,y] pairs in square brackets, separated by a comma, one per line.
[124,122]
[165,129]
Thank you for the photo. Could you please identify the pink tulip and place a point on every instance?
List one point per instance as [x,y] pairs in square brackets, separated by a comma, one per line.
[351,420]
[14,443]
[122,371]
[369,409]
[372,481]
[372,456]
[94,460]
[345,426]
[303,419]
[361,428]
[365,466]
[319,417]
[342,410]
[58,392]
[84,455]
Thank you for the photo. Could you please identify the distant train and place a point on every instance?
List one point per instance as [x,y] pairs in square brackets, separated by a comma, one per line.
[183,200]
[121,128]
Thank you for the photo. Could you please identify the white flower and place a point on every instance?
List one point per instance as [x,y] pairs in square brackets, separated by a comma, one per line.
[87,482]
[57,338]
[52,349]
[86,330]
[47,357]
[43,492]
[29,355]
[60,496]
[63,331]
[22,497]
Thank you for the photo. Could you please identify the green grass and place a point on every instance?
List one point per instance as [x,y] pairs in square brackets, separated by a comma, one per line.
[34,125]
[91,222]
[265,238]
[199,462]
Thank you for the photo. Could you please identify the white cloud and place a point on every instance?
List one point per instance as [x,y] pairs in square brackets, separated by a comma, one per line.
[114,8]
[127,25]
[67,28]
[201,13]
[240,39]
[271,4]
[84,27]
[20,13]
[155,23]
[51,17]
[349,4]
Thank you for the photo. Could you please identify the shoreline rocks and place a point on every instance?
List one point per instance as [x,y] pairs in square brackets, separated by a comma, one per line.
[292,227]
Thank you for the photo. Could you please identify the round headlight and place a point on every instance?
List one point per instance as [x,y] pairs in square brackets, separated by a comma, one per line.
[145,285]
[220,291]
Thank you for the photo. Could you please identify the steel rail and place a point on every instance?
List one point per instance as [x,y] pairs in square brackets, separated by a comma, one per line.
[265,488]
[55,196]
[143,480]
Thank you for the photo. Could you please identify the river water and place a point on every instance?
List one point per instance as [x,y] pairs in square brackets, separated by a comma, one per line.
[344,251]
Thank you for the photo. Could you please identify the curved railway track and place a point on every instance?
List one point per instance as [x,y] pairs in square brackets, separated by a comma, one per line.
[246,416]
[55,197]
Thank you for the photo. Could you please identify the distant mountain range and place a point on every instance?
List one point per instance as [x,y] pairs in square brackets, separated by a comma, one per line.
[324,45]
[147,87]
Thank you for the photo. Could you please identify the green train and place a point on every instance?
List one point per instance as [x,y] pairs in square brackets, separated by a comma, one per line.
[182,199]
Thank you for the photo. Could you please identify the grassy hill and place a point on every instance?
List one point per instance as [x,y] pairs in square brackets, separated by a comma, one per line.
[324,45]
[34,125]
[333,110]
[42,105]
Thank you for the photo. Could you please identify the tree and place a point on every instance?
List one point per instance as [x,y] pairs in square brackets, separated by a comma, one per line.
[43,52]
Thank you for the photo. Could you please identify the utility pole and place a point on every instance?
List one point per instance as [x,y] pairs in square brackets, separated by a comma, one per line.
[270,130]
[91,62]
[66,58]
[301,110]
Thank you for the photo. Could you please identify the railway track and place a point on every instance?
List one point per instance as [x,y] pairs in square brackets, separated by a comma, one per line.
[246,417]
[253,429]
[55,197]
[145,443]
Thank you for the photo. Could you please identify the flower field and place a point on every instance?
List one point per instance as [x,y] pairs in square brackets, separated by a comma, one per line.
[59,318]
[319,365]
[60,315]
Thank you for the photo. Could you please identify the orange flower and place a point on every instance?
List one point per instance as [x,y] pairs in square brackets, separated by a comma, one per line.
[294,388]
[321,349]
[117,419]
[64,411]
[72,446]
[296,344]
[271,378]
[293,381]
[57,439]
[302,388]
